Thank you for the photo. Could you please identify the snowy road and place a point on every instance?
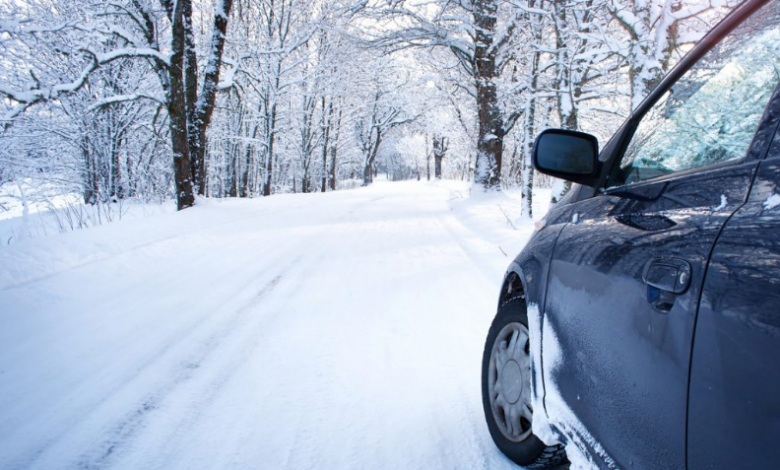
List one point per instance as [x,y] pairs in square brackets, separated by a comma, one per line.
[335,331]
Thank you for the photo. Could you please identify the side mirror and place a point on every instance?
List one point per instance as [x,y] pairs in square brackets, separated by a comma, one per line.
[569,155]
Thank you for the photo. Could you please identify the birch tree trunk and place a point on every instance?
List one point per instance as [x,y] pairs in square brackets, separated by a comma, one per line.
[527,185]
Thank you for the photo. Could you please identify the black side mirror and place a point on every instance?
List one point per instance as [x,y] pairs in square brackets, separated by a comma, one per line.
[569,155]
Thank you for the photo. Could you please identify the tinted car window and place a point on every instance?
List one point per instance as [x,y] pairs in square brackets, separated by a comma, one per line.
[711,113]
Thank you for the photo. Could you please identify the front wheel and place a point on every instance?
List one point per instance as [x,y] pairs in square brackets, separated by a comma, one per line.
[506,390]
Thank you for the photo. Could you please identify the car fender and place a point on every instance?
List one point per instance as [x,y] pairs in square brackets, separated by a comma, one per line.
[527,276]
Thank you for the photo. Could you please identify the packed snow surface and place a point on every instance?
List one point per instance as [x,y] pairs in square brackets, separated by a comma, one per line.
[331,331]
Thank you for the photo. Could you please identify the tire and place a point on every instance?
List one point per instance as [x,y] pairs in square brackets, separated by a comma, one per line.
[506,390]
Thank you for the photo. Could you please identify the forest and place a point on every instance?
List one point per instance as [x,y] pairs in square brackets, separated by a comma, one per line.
[159,100]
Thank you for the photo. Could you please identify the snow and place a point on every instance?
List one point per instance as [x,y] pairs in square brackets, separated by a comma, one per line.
[772,202]
[101,103]
[227,80]
[541,426]
[132,52]
[339,330]
[20,96]
[724,202]
[7,25]
[566,104]
[549,352]
[579,439]
[50,210]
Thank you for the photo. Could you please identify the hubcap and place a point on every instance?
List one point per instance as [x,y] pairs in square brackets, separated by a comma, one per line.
[509,382]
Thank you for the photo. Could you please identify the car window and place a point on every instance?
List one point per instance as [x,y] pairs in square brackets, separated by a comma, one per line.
[712,112]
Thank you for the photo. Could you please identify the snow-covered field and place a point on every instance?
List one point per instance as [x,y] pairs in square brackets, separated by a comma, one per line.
[330,331]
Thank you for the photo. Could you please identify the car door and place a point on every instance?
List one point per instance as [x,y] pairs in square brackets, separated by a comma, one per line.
[627,270]
[734,407]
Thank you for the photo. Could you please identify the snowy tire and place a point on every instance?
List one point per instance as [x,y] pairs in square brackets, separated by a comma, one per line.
[506,390]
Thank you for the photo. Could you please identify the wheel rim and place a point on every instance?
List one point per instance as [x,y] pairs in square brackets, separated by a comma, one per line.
[509,382]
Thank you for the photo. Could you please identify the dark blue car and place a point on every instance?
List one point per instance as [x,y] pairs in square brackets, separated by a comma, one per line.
[640,327]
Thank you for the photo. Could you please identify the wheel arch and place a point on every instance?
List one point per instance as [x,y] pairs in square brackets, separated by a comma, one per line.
[513,286]
[527,277]
[520,280]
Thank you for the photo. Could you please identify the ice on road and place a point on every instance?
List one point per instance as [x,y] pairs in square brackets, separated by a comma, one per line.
[328,331]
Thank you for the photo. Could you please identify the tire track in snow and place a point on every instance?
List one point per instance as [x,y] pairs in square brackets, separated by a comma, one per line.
[123,432]
[133,421]
[176,339]
[459,233]
[296,281]
[177,336]
[368,431]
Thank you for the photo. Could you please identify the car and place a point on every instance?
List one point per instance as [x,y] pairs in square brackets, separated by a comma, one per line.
[640,326]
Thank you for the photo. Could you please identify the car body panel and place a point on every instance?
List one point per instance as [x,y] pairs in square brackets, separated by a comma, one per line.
[531,265]
[630,360]
[734,413]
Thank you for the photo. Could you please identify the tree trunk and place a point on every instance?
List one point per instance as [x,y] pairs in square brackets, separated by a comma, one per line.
[117,190]
[427,159]
[234,180]
[182,171]
[527,189]
[246,178]
[567,90]
[368,173]
[269,154]
[490,136]
[191,88]
[439,152]
[202,110]
[91,189]
[332,170]
[326,125]
[132,180]
[177,113]
[334,151]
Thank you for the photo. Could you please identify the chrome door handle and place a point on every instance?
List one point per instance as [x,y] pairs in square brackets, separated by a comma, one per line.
[666,278]
[668,274]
